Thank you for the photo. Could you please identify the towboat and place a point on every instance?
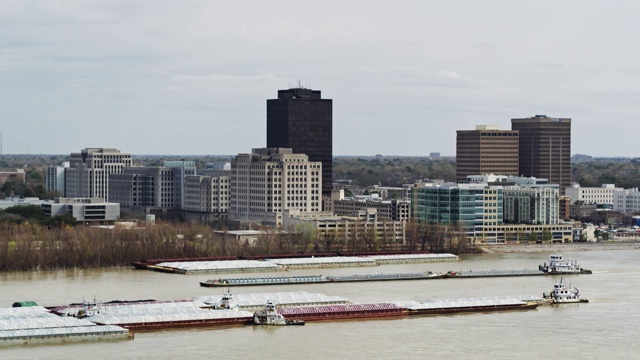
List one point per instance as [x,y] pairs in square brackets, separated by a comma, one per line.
[562,294]
[270,316]
[558,265]
[226,302]
[88,309]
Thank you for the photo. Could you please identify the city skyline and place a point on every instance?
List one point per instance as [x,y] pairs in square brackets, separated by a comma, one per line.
[191,78]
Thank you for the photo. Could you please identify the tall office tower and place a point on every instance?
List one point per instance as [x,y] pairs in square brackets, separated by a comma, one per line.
[89,170]
[545,148]
[299,119]
[486,150]
[269,181]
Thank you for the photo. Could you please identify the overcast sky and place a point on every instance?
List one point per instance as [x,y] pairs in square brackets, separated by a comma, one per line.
[192,77]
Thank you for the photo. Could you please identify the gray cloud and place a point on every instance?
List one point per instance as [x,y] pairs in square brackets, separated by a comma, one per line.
[192,77]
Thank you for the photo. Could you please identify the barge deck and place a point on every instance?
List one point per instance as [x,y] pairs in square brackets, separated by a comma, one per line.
[320,279]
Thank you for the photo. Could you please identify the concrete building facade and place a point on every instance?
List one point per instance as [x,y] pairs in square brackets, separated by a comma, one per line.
[344,230]
[592,195]
[181,169]
[385,210]
[89,170]
[83,209]
[147,188]
[626,201]
[269,181]
[206,198]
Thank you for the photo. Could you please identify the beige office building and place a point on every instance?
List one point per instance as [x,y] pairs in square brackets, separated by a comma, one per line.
[271,180]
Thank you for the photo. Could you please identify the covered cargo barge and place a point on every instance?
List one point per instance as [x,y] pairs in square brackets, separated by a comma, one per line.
[35,324]
[484,304]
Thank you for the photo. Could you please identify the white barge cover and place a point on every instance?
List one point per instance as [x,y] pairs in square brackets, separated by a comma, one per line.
[320,261]
[37,323]
[220,266]
[95,330]
[188,316]
[467,302]
[414,258]
[224,266]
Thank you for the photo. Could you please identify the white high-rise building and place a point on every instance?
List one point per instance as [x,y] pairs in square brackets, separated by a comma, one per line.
[54,179]
[89,170]
[271,180]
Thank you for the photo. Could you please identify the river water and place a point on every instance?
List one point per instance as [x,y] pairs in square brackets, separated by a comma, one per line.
[607,327]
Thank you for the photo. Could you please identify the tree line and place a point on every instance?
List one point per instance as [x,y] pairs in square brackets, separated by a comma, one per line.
[29,246]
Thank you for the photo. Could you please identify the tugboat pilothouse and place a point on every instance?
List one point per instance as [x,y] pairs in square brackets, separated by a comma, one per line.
[562,293]
[270,316]
[88,309]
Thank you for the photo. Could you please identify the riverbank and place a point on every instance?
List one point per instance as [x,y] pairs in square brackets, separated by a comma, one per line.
[588,246]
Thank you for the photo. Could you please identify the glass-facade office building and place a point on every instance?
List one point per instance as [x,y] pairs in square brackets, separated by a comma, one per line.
[473,206]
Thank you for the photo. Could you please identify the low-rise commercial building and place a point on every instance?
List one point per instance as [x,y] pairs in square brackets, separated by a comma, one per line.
[385,210]
[83,209]
[347,230]
[592,195]
[626,200]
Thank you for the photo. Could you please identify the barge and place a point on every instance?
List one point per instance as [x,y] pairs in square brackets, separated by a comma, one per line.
[318,279]
[189,266]
[37,325]
[343,312]
[168,315]
[467,305]
[491,273]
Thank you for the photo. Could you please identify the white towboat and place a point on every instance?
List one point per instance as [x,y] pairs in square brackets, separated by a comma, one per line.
[558,265]
[269,316]
[562,293]
[88,309]
[226,302]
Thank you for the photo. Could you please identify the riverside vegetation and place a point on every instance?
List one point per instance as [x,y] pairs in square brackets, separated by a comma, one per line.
[29,246]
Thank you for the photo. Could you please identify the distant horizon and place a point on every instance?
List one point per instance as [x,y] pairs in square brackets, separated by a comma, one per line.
[334,155]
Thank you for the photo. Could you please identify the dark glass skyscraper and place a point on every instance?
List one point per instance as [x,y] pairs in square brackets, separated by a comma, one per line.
[545,148]
[301,120]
